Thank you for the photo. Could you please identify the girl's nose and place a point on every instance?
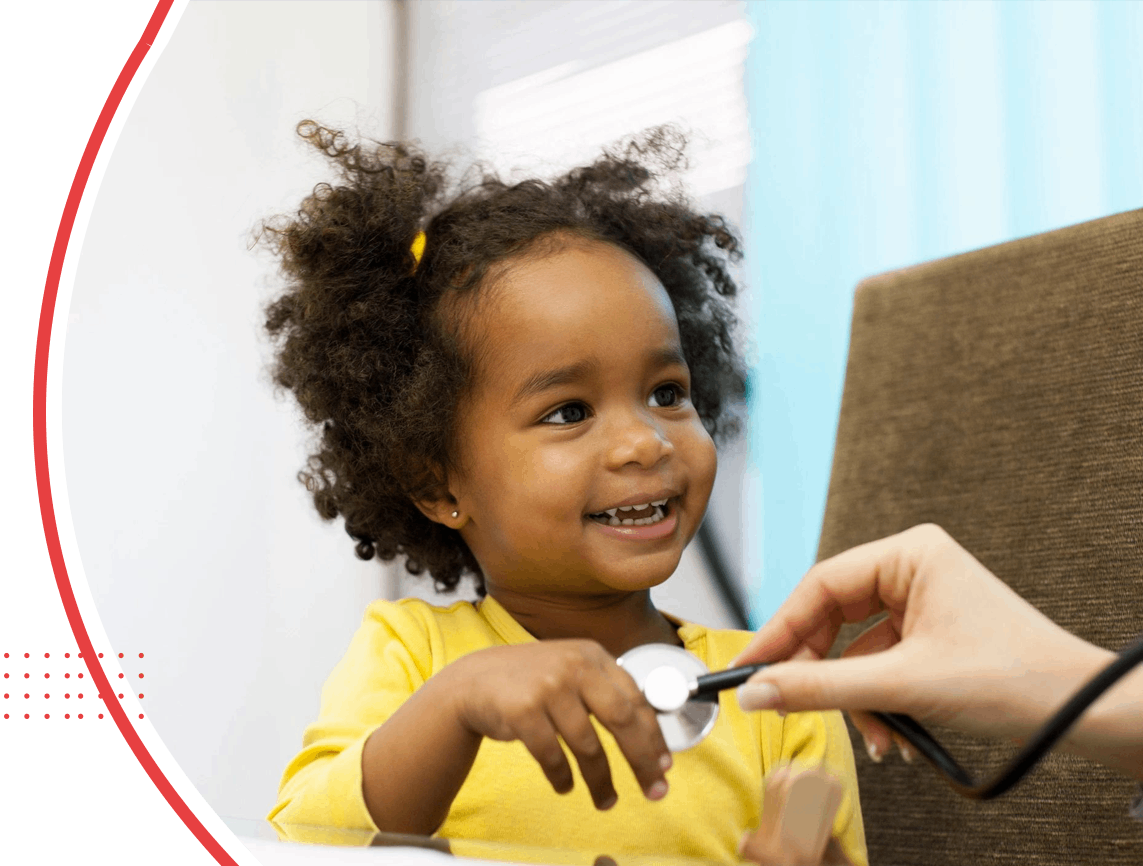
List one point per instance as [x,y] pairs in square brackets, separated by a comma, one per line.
[639,440]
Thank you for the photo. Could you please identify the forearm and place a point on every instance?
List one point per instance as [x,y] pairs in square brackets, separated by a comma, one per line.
[1111,732]
[413,765]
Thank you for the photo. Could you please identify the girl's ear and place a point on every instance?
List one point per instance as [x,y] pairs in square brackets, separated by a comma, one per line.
[443,510]
[442,507]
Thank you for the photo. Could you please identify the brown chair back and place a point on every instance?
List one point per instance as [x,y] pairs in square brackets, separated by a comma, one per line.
[999,394]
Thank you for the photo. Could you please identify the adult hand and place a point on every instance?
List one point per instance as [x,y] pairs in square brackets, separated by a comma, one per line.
[958,647]
[798,809]
[532,692]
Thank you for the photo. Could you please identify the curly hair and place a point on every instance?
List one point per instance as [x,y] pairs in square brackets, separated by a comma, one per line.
[378,363]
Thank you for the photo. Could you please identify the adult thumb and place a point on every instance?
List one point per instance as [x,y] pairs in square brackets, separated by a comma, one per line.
[863,682]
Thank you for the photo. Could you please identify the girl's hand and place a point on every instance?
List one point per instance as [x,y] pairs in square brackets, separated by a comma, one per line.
[532,692]
[798,809]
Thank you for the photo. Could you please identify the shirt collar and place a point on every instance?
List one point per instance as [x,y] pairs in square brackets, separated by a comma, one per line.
[511,632]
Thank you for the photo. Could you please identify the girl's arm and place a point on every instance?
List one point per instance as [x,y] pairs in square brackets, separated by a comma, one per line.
[414,764]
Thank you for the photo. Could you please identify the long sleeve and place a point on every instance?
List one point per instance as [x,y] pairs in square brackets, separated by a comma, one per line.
[387,660]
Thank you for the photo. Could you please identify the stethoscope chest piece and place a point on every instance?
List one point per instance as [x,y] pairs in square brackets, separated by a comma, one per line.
[663,673]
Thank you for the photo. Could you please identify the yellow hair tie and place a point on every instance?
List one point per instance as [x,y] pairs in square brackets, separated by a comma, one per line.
[418,249]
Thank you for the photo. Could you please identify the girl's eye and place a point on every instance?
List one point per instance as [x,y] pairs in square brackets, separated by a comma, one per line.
[569,413]
[666,396]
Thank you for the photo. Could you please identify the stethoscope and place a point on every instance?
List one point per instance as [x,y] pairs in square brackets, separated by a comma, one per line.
[684,694]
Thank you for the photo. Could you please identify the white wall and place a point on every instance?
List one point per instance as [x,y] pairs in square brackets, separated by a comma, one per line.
[201,549]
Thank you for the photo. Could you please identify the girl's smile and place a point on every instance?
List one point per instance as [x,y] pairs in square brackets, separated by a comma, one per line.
[583,469]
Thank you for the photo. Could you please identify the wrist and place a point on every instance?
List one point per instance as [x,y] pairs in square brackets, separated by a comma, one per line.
[451,688]
[1108,731]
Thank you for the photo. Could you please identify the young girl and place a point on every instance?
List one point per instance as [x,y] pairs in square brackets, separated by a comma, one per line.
[521,383]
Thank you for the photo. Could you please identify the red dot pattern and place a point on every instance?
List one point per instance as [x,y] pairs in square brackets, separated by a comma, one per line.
[67,675]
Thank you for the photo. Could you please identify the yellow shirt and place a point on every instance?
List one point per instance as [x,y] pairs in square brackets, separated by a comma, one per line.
[715,787]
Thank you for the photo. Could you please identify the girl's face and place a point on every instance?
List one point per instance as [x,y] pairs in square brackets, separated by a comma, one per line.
[580,406]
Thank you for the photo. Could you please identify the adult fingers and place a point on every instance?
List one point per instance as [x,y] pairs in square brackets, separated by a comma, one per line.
[849,587]
[855,683]
[878,738]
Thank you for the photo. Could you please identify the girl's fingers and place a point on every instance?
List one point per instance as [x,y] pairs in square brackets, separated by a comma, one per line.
[620,707]
[539,737]
[570,718]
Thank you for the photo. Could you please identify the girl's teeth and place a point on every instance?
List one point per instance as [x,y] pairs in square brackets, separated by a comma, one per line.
[660,514]
[658,504]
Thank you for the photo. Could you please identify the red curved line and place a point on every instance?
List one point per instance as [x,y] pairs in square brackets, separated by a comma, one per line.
[40,440]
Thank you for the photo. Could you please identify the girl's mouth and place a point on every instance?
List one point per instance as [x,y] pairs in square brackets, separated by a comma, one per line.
[647,514]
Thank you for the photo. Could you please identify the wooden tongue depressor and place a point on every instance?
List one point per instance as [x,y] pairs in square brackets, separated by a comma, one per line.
[812,799]
[797,817]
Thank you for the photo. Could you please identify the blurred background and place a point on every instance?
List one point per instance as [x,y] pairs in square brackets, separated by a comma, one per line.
[845,138]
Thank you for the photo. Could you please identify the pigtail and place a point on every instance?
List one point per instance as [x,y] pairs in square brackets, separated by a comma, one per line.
[350,338]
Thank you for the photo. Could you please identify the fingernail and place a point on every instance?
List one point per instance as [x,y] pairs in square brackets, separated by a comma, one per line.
[665,762]
[758,696]
[657,791]
[874,751]
[609,802]
[907,754]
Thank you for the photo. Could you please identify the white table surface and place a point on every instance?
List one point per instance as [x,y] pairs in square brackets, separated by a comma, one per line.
[340,847]
[262,841]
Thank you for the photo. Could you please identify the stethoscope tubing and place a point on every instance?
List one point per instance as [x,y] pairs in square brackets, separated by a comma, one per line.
[707,688]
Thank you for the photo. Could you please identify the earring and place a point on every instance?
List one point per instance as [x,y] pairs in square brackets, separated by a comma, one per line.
[456,514]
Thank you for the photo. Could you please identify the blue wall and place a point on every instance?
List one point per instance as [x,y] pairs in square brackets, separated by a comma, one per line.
[887,134]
